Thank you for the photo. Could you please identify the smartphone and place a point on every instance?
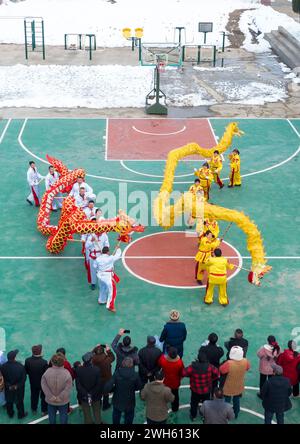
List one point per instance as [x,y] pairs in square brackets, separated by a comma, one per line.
[126,331]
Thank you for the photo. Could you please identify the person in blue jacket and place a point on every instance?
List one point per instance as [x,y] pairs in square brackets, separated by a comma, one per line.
[174,333]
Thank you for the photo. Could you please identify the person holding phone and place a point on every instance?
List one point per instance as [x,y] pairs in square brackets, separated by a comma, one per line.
[125,349]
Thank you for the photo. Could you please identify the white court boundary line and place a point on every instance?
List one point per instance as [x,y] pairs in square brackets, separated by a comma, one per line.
[185,287]
[159,134]
[183,406]
[155,182]
[296,131]
[142,257]
[122,162]
[4,130]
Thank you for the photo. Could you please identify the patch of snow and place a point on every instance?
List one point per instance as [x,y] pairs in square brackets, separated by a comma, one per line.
[106,20]
[253,93]
[284,67]
[262,20]
[74,86]
[290,76]
[111,86]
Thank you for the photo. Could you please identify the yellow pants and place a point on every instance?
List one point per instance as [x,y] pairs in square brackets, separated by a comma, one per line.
[235,178]
[200,271]
[209,296]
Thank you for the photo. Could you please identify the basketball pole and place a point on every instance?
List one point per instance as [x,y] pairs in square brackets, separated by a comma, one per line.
[157,108]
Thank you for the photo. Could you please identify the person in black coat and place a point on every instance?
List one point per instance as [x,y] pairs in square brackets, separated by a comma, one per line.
[238,340]
[148,357]
[275,395]
[14,375]
[89,389]
[174,333]
[125,349]
[123,384]
[35,367]
[213,352]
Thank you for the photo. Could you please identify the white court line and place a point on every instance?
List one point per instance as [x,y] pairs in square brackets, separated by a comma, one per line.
[106,140]
[4,130]
[298,134]
[154,182]
[183,406]
[159,134]
[150,175]
[143,257]
[186,287]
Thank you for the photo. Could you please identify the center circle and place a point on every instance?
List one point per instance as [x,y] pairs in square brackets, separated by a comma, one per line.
[167,259]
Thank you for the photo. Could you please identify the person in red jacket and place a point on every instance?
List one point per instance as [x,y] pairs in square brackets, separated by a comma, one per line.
[289,361]
[172,366]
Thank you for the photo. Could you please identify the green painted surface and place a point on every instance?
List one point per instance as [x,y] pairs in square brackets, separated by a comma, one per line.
[49,301]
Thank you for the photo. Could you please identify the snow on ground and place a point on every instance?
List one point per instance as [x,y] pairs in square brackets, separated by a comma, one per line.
[110,87]
[106,20]
[263,20]
[253,93]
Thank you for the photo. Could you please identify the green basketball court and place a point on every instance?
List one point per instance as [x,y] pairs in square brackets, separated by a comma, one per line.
[46,299]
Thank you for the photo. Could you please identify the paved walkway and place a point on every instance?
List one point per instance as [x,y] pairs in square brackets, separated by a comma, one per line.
[285,7]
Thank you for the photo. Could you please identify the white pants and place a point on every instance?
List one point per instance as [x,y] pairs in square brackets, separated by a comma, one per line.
[105,288]
[93,272]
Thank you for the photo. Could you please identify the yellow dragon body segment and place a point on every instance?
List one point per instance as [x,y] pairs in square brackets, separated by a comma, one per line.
[165,214]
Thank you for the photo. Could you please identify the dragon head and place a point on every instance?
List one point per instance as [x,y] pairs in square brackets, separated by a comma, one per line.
[126,225]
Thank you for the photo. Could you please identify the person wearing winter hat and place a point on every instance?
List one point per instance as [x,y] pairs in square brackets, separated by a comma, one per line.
[56,383]
[174,333]
[14,375]
[289,360]
[234,369]
[148,357]
[267,356]
[35,368]
[275,394]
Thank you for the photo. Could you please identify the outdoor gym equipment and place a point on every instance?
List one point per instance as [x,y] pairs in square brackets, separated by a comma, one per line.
[34,35]
[136,39]
[80,42]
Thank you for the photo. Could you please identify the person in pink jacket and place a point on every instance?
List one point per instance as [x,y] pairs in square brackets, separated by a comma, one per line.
[267,354]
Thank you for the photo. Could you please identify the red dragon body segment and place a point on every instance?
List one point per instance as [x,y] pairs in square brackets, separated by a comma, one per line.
[73,220]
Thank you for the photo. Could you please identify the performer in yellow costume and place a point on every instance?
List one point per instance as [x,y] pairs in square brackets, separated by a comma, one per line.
[217,267]
[206,177]
[207,245]
[210,225]
[194,189]
[216,165]
[235,166]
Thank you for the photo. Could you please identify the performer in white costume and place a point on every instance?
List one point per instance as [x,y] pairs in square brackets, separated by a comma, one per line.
[94,246]
[107,279]
[34,178]
[82,199]
[79,184]
[50,180]
[90,210]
